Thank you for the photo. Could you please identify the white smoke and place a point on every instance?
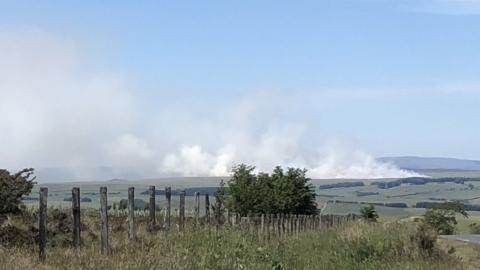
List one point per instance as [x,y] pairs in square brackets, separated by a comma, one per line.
[58,110]
[348,163]
[339,163]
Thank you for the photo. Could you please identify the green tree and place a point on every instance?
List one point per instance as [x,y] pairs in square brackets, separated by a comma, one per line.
[244,190]
[286,192]
[12,188]
[442,217]
[369,213]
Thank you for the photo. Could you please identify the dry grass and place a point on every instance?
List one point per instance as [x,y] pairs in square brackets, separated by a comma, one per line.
[351,246]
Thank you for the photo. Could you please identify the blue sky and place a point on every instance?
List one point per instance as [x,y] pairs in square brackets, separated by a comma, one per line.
[386,77]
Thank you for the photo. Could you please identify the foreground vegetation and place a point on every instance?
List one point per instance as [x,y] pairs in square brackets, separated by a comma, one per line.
[356,245]
[362,244]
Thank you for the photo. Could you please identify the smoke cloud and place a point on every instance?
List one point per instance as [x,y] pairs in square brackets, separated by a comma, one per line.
[58,109]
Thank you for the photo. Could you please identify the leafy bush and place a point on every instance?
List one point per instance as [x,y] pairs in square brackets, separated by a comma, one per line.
[442,217]
[474,228]
[369,213]
[12,188]
[11,235]
[282,191]
[138,204]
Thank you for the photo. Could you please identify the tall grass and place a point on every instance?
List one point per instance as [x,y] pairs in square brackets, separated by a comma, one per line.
[355,245]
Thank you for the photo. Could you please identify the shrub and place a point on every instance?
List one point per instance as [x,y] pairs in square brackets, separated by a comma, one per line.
[11,235]
[138,204]
[12,188]
[369,213]
[425,238]
[85,200]
[474,228]
[442,217]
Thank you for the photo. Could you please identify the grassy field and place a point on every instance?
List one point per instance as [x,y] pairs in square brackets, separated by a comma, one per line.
[354,245]
[345,208]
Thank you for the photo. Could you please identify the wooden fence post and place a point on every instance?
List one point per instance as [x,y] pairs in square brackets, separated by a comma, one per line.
[151,208]
[228,218]
[104,220]
[182,210]
[234,220]
[286,223]
[197,207]
[296,224]
[168,196]
[42,222]
[307,223]
[267,226]
[301,221]
[279,225]
[262,226]
[274,225]
[76,216]
[290,224]
[131,213]
[207,209]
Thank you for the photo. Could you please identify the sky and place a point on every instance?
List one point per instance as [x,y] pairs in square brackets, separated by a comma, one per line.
[191,88]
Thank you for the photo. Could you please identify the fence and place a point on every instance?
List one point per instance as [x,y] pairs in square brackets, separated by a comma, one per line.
[266,226]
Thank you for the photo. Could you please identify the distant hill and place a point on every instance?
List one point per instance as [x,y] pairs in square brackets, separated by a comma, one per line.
[432,163]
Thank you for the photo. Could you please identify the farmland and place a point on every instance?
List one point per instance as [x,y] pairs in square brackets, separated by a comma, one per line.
[340,200]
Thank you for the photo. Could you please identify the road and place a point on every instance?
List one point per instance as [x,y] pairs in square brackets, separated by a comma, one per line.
[470,238]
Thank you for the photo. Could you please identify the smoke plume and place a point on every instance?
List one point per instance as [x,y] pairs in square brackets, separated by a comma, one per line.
[58,109]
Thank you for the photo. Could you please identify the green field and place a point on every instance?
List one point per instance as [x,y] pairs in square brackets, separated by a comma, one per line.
[117,190]
[409,194]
